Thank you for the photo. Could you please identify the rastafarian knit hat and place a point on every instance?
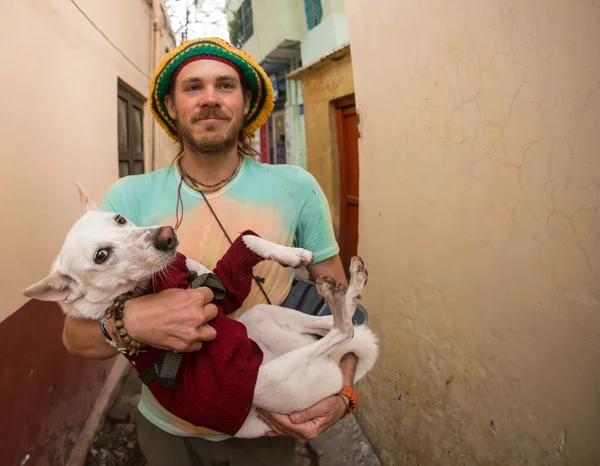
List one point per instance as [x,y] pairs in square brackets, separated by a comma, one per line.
[212,48]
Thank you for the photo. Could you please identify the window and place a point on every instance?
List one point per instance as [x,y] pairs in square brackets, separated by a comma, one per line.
[130,132]
[314,13]
[245,15]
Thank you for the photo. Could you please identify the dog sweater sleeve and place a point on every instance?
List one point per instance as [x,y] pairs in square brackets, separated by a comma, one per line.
[235,271]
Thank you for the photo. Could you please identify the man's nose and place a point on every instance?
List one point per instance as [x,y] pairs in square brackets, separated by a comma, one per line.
[165,239]
[210,97]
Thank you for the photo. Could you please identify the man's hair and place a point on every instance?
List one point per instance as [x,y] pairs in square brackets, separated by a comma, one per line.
[245,144]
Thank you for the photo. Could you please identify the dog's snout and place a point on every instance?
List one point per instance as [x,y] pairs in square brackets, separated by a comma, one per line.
[165,239]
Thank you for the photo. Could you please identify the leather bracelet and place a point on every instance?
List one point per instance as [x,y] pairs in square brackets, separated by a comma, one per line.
[349,393]
[111,339]
[348,410]
[103,329]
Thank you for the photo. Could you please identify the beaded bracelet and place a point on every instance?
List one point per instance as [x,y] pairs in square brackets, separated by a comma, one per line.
[112,326]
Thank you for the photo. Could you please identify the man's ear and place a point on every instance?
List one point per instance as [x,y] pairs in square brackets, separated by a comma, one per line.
[170,104]
[87,204]
[55,287]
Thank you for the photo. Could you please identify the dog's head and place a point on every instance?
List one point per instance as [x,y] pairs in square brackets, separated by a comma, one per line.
[103,256]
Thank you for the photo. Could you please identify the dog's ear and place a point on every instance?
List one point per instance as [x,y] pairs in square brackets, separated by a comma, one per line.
[55,287]
[87,204]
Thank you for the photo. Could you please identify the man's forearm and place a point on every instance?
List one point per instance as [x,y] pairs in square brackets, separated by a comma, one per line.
[84,338]
[348,368]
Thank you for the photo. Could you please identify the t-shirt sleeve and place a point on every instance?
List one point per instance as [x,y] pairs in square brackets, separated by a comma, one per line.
[315,229]
[119,201]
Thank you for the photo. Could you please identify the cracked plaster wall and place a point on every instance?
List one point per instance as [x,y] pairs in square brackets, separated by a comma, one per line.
[479,223]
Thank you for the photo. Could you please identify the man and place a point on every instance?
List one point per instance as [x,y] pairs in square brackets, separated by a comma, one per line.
[210,96]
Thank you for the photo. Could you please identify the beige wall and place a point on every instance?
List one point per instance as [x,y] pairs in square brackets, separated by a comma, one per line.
[479,223]
[58,88]
[320,87]
[332,7]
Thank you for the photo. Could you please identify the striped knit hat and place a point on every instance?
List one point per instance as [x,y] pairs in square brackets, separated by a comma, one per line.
[212,48]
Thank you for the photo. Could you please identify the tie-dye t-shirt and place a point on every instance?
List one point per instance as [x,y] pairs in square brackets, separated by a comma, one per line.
[281,203]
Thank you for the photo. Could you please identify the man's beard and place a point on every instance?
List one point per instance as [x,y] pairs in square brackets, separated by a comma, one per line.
[211,143]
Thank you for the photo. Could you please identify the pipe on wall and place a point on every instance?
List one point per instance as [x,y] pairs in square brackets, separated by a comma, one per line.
[157,28]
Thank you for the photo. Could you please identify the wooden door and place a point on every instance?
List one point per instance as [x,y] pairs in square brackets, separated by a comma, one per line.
[347,129]
[130,132]
[264,144]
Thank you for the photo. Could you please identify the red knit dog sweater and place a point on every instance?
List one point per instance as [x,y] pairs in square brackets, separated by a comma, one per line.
[218,380]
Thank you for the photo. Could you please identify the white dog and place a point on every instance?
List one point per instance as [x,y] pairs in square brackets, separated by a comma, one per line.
[105,255]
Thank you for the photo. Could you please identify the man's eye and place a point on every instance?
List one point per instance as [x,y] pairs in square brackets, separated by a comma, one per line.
[192,88]
[101,255]
[227,86]
[120,220]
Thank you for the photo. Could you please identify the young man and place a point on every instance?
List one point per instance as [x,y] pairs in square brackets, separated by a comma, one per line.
[210,96]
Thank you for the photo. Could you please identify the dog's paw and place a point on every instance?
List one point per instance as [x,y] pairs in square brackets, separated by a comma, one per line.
[331,289]
[358,270]
[294,257]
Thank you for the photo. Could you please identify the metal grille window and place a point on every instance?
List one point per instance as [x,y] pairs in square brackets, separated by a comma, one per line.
[314,13]
[130,132]
[245,15]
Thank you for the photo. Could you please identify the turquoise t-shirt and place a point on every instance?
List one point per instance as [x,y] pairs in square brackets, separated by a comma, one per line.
[281,203]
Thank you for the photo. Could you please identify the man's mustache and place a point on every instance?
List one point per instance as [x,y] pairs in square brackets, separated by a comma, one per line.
[209,113]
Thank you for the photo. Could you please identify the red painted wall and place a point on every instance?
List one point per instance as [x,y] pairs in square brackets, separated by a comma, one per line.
[45,393]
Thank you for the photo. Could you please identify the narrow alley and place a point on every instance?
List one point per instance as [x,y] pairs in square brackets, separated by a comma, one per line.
[452,146]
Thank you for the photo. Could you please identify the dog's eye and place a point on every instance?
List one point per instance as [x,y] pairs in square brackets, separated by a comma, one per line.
[120,220]
[101,255]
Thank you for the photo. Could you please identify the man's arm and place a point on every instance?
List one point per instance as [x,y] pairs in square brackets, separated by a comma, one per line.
[331,267]
[84,338]
[173,319]
[308,424]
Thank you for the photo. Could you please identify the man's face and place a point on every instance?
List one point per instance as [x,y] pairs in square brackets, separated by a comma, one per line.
[209,105]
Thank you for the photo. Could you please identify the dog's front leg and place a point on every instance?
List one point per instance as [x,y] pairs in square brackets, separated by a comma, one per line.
[284,255]
[196,267]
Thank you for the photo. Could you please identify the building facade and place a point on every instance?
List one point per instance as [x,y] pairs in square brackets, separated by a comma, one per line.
[74,82]
[304,47]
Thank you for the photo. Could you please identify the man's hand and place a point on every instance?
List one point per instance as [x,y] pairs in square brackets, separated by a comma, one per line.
[173,319]
[308,424]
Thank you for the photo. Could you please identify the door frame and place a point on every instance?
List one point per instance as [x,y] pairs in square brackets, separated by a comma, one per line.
[342,105]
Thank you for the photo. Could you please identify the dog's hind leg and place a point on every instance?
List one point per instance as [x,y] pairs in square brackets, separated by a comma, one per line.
[299,379]
[278,330]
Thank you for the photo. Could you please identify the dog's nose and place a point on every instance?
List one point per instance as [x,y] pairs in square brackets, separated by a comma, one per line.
[165,239]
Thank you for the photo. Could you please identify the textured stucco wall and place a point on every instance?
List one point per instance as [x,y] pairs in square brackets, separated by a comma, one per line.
[320,88]
[480,221]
